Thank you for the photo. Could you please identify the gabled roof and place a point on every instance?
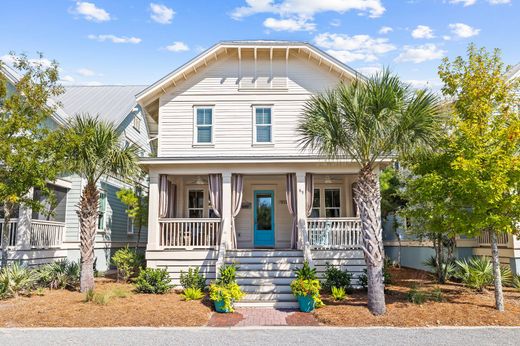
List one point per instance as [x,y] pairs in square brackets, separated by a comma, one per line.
[514,72]
[111,103]
[201,60]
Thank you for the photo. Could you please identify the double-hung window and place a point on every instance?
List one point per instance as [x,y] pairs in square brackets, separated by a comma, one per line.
[195,203]
[102,211]
[316,204]
[203,125]
[326,203]
[263,125]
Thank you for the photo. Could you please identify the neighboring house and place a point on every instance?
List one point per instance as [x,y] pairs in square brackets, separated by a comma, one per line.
[230,183]
[414,252]
[37,238]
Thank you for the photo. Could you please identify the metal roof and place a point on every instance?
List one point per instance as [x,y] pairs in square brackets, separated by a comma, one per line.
[110,102]
[513,72]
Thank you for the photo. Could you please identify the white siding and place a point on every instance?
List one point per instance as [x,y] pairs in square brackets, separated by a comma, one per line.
[218,84]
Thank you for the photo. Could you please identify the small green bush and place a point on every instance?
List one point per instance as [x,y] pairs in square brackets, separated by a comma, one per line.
[59,275]
[228,293]
[192,293]
[101,298]
[436,295]
[16,279]
[227,275]
[306,272]
[338,293]
[89,295]
[515,282]
[193,279]
[477,273]
[387,277]
[119,293]
[155,281]
[128,262]
[304,287]
[335,277]
[416,296]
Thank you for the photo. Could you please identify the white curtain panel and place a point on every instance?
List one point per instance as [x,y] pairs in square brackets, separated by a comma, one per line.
[237,186]
[172,193]
[309,193]
[215,193]
[290,195]
[163,196]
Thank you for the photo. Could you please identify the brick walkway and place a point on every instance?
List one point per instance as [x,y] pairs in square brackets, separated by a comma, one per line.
[262,317]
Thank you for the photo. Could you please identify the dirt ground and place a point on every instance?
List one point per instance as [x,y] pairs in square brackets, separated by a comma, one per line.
[460,306]
[62,308]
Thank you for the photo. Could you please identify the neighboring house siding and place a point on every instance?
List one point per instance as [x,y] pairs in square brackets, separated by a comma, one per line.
[218,85]
[73,198]
[138,137]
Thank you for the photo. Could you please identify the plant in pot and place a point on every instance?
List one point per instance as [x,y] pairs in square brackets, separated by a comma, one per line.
[225,291]
[306,287]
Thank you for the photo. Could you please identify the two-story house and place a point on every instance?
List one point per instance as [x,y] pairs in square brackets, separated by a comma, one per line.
[230,182]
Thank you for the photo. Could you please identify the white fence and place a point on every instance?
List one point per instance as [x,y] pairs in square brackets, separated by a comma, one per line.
[12,228]
[189,233]
[46,234]
[334,233]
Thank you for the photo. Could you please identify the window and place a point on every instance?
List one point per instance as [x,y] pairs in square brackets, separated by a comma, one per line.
[137,123]
[102,211]
[204,125]
[196,203]
[332,203]
[129,226]
[263,125]
[316,204]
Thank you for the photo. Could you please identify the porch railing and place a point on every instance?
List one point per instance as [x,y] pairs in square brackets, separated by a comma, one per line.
[12,228]
[485,239]
[46,234]
[334,233]
[189,233]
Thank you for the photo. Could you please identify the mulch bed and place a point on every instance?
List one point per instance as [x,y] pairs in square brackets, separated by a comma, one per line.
[460,306]
[62,308]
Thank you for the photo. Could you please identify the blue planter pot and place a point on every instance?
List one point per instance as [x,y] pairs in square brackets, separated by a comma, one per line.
[306,303]
[219,306]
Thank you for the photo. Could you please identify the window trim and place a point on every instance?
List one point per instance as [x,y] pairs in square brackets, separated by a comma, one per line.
[137,128]
[323,208]
[129,226]
[205,196]
[104,213]
[196,126]
[254,108]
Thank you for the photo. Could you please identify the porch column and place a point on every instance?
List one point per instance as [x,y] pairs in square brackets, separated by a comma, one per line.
[153,212]
[300,209]
[226,209]
[23,231]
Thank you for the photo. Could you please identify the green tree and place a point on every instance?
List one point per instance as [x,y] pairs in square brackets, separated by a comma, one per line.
[483,152]
[370,121]
[30,153]
[136,207]
[95,150]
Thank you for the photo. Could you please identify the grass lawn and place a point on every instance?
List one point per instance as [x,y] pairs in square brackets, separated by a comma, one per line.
[62,308]
[459,306]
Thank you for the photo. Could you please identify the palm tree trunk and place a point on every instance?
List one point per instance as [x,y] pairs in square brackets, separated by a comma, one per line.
[88,216]
[368,199]
[499,295]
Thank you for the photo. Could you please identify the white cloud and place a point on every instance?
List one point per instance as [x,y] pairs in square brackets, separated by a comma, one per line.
[385,30]
[161,13]
[9,59]
[422,53]
[308,8]
[290,25]
[177,47]
[85,72]
[350,48]
[369,70]
[115,39]
[423,31]
[67,79]
[335,22]
[93,83]
[424,83]
[446,38]
[499,2]
[464,2]
[463,30]
[91,12]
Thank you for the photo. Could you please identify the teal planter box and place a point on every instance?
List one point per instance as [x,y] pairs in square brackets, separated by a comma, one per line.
[306,303]
[219,306]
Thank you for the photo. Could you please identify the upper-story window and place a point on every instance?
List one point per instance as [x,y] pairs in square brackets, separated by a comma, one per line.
[203,125]
[136,123]
[263,125]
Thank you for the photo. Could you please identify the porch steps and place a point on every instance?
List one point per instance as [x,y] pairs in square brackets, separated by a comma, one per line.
[265,276]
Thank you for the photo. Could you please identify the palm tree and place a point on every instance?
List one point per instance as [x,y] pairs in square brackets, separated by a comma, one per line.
[95,150]
[370,121]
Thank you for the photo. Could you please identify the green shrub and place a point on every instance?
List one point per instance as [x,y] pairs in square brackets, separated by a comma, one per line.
[436,295]
[335,277]
[16,279]
[477,273]
[227,274]
[89,295]
[193,279]
[338,293]
[515,282]
[101,298]
[416,296]
[311,288]
[306,272]
[192,293]
[119,293]
[449,268]
[228,293]
[156,281]
[59,275]
[363,277]
[128,262]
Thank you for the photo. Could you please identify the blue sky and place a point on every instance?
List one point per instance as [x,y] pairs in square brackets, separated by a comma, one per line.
[138,42]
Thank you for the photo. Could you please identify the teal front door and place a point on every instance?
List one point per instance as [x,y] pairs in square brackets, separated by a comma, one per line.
[264,218]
